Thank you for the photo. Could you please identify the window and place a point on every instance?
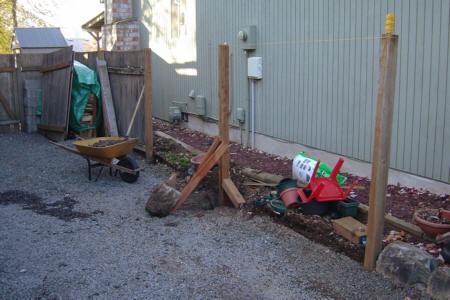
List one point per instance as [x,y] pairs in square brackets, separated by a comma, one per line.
[178,10]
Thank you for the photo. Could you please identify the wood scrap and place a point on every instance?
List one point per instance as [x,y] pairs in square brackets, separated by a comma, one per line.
[233,193]
[397,223]
[250,183]
[109,114]
[261,176]
[172,181]
[182,144]
[133,117]
[350,229]
[202,171]
[89,118]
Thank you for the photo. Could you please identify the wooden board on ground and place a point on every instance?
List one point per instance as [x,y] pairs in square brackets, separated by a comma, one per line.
[261,176]
[350,229]
[397,223]
[233,193]
[182,144]
[56,90]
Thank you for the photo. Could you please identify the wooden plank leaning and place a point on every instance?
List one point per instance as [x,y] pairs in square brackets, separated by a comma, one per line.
[202,171]
[109,114]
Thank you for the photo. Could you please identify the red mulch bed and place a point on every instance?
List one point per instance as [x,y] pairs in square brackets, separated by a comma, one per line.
[401,201]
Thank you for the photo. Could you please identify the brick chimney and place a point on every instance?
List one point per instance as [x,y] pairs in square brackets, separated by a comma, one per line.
[121,31]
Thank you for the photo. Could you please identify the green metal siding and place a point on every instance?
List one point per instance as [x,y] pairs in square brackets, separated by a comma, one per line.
[320,64]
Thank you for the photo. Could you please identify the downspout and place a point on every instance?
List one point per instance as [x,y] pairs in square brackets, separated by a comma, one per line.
[252,111]
[247,99]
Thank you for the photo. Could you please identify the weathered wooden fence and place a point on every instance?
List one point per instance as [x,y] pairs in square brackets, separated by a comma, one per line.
[56,93]
[9,106]
[126,76]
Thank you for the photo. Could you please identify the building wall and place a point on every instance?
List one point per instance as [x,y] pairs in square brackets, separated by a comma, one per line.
[121,30]
[117,10]
[121,36]
[320,68]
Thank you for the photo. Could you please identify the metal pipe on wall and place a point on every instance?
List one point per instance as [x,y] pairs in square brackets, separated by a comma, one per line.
[252,110]
[247,110]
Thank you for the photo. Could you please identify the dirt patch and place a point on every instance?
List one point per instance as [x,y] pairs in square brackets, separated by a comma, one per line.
[62,209]
[106,143]
[315,228]
[401,201]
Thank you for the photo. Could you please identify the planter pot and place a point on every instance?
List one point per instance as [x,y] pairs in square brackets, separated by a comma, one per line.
[445,214]
[285,184]
[314,207]
[290,197]
[347,208]
[432,229]
[198,159]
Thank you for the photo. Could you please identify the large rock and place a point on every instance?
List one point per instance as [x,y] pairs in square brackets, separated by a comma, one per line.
[406,264]
[162,200]
[439,284]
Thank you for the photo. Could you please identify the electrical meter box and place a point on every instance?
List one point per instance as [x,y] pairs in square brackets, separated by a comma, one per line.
[255,67]
[247,38]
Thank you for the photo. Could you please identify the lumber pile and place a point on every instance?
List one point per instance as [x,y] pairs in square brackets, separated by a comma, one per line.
[89,116]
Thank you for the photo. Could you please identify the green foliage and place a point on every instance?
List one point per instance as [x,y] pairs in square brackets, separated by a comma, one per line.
[13,13]
[6,25]
[179,160]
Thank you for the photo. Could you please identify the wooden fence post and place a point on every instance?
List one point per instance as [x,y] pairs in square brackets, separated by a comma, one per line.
[224,110]
[148,113]
[382,144]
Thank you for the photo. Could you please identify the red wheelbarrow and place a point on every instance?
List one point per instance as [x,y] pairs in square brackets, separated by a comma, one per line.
[325,189]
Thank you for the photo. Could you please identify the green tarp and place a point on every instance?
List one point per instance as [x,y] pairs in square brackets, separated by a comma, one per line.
[84,84]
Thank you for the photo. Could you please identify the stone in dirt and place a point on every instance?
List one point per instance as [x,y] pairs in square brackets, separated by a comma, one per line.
[439,284]
[162,200]
[406,264]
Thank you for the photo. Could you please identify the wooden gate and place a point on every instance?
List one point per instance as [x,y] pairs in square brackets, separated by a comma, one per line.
[8,105]
[56,89]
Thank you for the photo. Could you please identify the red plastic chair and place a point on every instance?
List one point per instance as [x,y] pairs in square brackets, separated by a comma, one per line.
[325,189]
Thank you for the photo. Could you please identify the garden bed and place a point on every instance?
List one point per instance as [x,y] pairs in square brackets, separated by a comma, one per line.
[401,201]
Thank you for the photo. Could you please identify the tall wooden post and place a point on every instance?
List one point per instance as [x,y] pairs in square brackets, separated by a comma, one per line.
[148,113]
[224,110]
[382,144]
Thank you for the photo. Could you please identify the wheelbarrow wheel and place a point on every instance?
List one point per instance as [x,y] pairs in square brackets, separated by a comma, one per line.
[129,163]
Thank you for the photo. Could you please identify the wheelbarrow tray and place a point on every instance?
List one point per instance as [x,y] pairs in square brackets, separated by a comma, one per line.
[85,147]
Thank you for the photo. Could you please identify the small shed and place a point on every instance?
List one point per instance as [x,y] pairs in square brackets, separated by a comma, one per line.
[38,40]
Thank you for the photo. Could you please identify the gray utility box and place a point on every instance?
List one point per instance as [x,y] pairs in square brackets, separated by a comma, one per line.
[200,105]
[248,37]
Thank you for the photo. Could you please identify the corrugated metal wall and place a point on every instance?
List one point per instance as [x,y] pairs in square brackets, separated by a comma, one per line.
[320,61]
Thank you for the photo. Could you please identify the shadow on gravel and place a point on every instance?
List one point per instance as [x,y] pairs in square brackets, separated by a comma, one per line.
[62,209]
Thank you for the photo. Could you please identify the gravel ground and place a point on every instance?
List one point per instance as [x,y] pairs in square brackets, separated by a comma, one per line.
[63,237]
